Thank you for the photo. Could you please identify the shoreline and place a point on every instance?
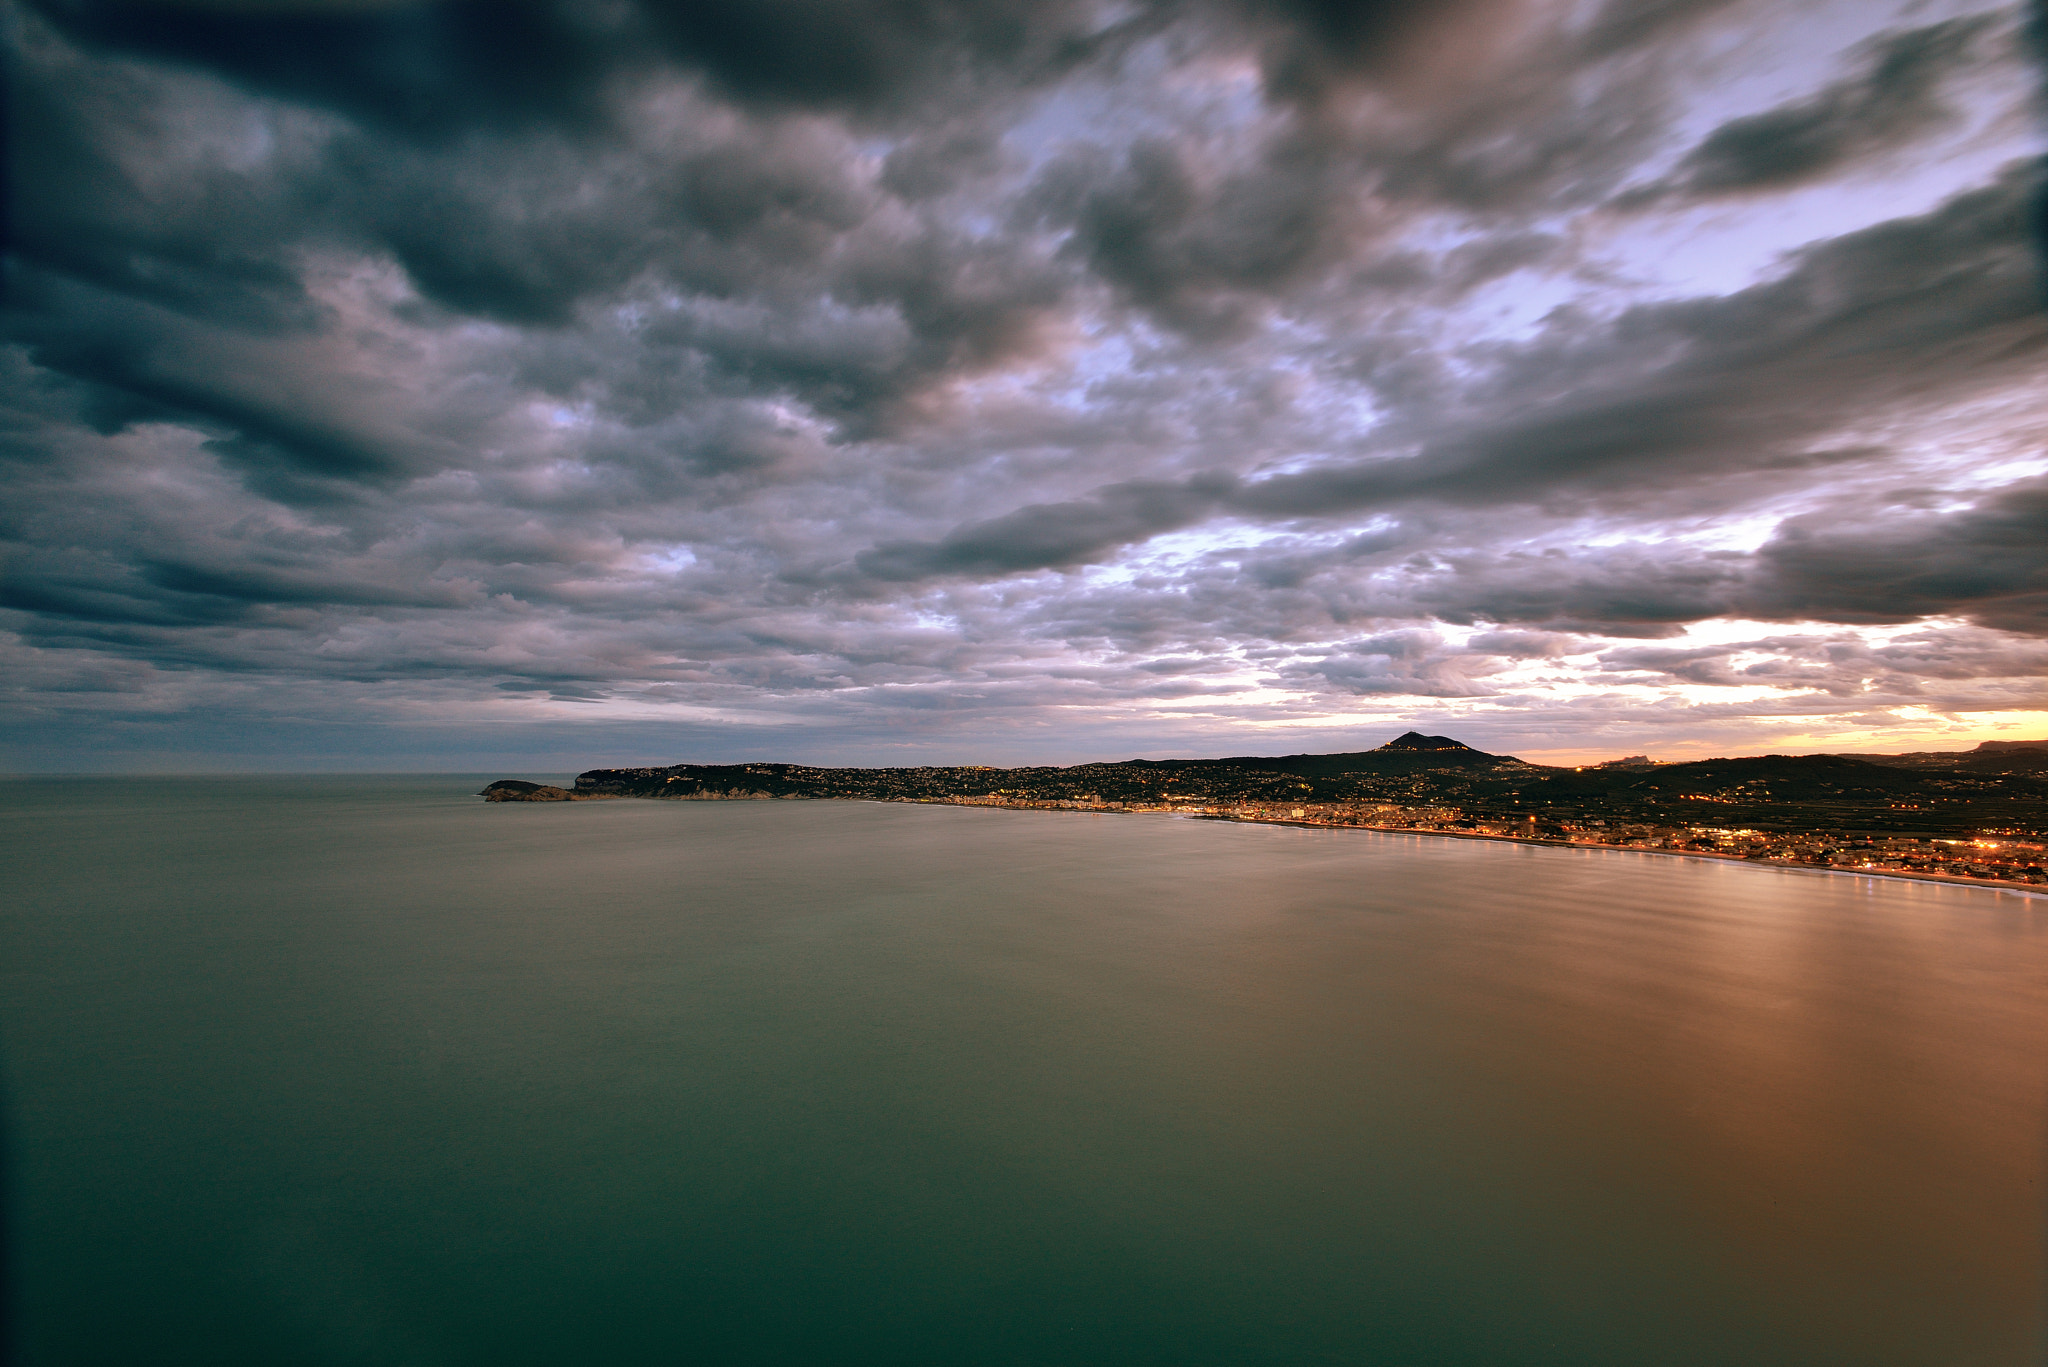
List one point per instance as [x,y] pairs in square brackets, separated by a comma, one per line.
[1783,865]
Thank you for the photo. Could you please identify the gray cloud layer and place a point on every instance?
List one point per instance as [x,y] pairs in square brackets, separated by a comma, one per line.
[943,369]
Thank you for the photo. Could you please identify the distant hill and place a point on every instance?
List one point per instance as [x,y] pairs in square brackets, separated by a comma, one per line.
[1415,740]
[1409,756]
[2001,787]
[1782,778]
[1992,757]
[1406,754]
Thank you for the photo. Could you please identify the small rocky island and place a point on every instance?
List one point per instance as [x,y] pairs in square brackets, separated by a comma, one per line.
[519,790]
[1973,814]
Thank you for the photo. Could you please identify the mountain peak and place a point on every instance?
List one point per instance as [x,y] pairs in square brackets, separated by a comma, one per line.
[1415,740]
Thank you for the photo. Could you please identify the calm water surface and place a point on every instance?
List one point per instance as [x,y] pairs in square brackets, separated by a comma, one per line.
[365,1071]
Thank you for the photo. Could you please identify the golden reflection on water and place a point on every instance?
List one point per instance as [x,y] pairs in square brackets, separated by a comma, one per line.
[1825,1097]
[1840,1086]
[1131,1091]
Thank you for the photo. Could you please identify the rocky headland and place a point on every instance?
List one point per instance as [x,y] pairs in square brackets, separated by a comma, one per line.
[519,790]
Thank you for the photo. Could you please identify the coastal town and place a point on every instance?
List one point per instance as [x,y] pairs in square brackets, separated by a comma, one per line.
[1977,816]
[1979,859]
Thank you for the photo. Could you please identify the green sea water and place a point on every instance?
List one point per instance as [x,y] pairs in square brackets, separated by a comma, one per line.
[365,1071]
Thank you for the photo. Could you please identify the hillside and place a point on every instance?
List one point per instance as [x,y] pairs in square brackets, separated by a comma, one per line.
[1993,788]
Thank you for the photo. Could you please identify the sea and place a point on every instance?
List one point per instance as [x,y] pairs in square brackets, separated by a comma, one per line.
[362,1070]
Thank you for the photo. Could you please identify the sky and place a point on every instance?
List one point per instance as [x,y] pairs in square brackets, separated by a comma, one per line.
[530,385]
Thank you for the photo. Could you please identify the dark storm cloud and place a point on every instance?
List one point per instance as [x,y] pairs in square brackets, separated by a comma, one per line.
[2035,38]
[738,360]
[1407,663]
[1618,591]
[1624,24]
[1309,49]
[1665,401]
[864,55]
[438,70]
[521,224]
[1696,665]
[1684,394]
[427,69]
[1895,99]
[433,69]
[107,207]
[1988,563]
[1208,243]
[1899,670]
[525,232]
[1187,252]
[1855,563]
[1233,600]
[306,440]
[1052,535]
[1523,645]
[528,220]
[764,217]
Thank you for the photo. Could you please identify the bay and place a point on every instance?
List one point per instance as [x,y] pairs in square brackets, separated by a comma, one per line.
[363,1070]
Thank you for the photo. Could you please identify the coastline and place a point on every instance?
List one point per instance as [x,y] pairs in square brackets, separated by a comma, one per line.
[1787,865]
[1899,875]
